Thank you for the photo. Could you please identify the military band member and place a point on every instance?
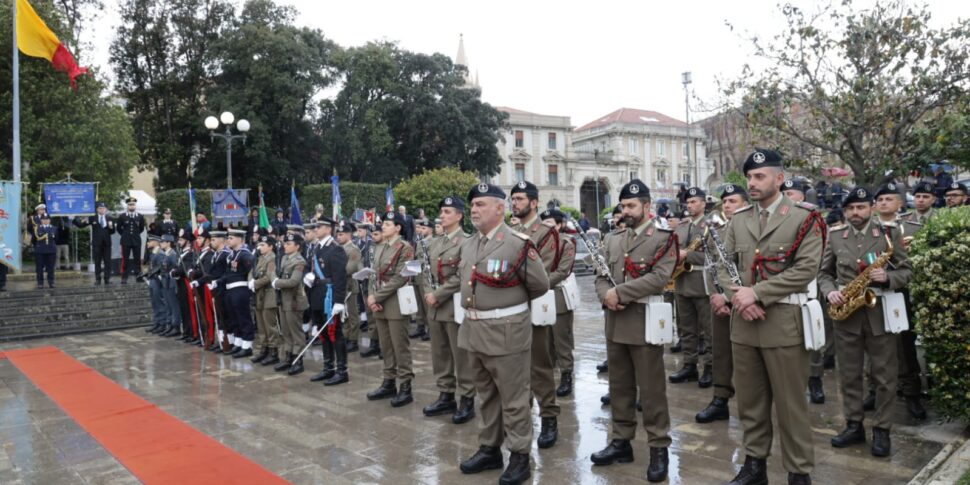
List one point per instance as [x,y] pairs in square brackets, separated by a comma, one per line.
[777,246]
[642,258]
[376,238]
[733,198]
[186,261]
[328,280]
[851,250]
[924,198]
[525,203]
[500,273]
[562,331]
[169,263]
[616,224]
[130,225]
[352,326]
[390,258]
[308,249]
[693,302]
[452,369]
[238,302]
[955,195]
[268,330]
[293,302]
[424,235]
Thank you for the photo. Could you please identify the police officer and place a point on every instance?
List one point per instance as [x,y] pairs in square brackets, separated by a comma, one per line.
[186,261]
[213,278]
[160,316]
[169,285]
[242,331]
[500,272]
[778,247]
[562,331]
[293,302]
[328,282]
[130,226]
[267,327]
[345,231]
[448,361]
[167,225]
[642,258]
[102,227]
[525,202]
[45,250]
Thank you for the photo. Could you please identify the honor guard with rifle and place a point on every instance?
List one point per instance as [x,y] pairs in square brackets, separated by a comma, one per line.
[168,282]
[525,203]
[351,327]
[560,280]
[213,279]
[203,295]
[328,282]
[160,316]
[186,298]
[864,265]
[308,249]
[238,302]
[293,302]
[449,362]
[268,331]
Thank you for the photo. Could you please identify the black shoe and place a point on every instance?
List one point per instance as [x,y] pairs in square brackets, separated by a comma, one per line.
[685,374]
[124,281]
[618,451]
[416,333]
[153,329]
[465,412]
[717,410]
[829,362]
[517,471]
[486,458]
[915,408]
[565,384]
[657,469]
[170,332]
[445,404]
[852,434]
[676,348]
[548,433]
[194,341]
[869,403]
[284,364]
[880,442]
[425,336]
[242,353]
[799,479]
[403,395]
[815,393]
[707,378]
[605,399]
[639,406]
[604,367]
[186,337]
[323,375]
[263,355]
[338,378]
[386,390]
[296,367]
[352,346]
[272,359]
[371,351]
[754,472]
[215,347]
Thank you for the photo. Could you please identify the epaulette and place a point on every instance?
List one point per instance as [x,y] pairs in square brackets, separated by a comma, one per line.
[617,231]
[913,223]
[838,227]
[904,214]
[521,235]
[747,207]
[889,224]
[806,205]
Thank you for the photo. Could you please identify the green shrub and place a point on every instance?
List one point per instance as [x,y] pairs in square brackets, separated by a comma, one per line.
[941,295]
[572,211]
[425,191]
[178,201]
[352,194]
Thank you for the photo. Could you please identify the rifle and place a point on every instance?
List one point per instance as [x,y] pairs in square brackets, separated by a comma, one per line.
[199,315]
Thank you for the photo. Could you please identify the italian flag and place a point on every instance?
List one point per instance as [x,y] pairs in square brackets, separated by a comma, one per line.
[35,39]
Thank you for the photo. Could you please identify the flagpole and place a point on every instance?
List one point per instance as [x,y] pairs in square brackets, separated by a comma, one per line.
[16,98]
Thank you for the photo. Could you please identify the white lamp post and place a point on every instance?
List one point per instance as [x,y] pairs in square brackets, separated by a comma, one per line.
[242,126]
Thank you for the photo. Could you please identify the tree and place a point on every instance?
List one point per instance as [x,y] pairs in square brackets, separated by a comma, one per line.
[943,138]
[425,191]
[855,84]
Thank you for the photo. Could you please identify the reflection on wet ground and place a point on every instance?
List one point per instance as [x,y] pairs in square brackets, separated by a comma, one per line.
[310,434]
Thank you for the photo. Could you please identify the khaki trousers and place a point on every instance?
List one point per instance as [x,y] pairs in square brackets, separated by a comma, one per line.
[351,327]
[827,350]
[503,390]
[267,336]
[723,357]
[694,325]
[452,369]
[766,376]
[396,348]
[633,366]
[881,350]
[293,337]
[563,341]
[542,376]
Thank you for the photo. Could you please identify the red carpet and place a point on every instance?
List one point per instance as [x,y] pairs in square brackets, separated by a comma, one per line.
[155,446]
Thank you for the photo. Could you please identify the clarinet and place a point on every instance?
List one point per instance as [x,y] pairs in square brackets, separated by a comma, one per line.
[725,261]
[427,261]
[595,250]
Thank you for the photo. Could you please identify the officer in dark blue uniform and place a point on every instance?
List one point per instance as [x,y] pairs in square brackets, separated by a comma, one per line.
[45,250]
[130,226]
[238,298]
[169,263]
[212,277]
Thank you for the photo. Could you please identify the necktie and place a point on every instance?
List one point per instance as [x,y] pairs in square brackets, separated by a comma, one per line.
[764,219]
[482,243]
[102,221]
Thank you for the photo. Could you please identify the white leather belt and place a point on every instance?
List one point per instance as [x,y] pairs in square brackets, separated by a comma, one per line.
[795,299]
[876,291]
[650,299]
[238,284]
[473,314]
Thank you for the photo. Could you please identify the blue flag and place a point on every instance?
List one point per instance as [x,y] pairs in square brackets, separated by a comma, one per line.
[389,194]
[10,225]
[295,217]
[335,182]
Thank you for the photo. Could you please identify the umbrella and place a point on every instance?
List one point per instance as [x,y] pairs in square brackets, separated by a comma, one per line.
[835,172]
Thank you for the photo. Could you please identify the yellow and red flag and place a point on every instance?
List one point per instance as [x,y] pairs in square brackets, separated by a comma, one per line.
[35,39]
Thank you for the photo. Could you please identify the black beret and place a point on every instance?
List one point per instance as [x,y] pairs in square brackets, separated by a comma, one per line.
[617,210]
[924,188]
[957,186]
[293,237]
[695,192]
[762,158]
[889,188]
[858,194]
[267,239]
[793,185]
[453,202]
[346,226]
[526,187]
[732,189]
[556,214]
[486,190]
[396,218]
[634,189]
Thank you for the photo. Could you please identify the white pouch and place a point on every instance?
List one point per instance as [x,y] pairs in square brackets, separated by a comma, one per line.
[407,300]
[570,292]
[813,325]
[459,310]
[544,309]
[813,289]
[894,312]
[659,320]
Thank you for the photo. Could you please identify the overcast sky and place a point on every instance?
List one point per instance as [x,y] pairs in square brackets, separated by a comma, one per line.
[582,59]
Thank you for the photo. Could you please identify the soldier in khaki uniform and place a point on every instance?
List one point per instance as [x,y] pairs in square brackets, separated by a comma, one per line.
[450,363]
[562,331]
[374,350]
[777,246]
[500,273]
[293,302]
[733,198]
[389,259]
[267,329]
[955,195]
[424,234]
[851,250]
[345,230]
[641,258]
[617,225]
[693,303]
[525,203]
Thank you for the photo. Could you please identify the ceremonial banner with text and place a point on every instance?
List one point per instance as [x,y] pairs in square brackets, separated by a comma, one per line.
[230,206]
[70,199]
[10,224]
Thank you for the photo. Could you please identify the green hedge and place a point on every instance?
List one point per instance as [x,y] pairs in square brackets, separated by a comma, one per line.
[425,191]
[353,194]
[941,295]
[178,201]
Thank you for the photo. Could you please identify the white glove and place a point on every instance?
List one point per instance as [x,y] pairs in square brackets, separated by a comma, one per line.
[337,309]
[309,278]
[213,285]
[148,281]
[251,285]
[273,284]
[195,284]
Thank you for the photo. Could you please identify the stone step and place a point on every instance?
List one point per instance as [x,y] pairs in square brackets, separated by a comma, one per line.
[59,300]
[55,329]
[90,312]
[8,296]
[75,331]
[75,304]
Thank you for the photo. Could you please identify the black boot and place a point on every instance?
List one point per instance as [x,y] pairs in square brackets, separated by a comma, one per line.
[272,359]
[815,393]
[215,347]
[707,378]
[403,395]
[880,442]
[153,329]
[548,433]
[685,374]
[754,472]
[342,375]
[269,354]
[425,336]
[717,410]
[657,469]
[328,363]
[517,471]
[417,332]
[565,384]
[296,368]
[915,407]
[675,348]
[445,404]
[869,403]
[486,458]
[604,367]
[851,435]
[386,390]
[171,331]
[262,355]
[618,451]
[352,346]
[242,353]
[374,349]
[465,412]
[799,479]
[605,399]
[285,363]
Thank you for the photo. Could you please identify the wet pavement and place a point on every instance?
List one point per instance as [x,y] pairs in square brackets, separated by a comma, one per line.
[308,434]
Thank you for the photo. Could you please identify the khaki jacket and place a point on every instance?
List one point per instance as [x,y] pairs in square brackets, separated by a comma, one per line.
[691,283]
[290,282]
[354,264]
[262,275]
[389,260]
[445,256]
[567,252]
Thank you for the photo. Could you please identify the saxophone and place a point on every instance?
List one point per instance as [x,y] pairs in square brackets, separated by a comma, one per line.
[684,265]
[857,293]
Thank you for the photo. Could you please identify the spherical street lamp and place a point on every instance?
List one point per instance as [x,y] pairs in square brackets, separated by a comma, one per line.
[211,122]
[242,126]
[227,118]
